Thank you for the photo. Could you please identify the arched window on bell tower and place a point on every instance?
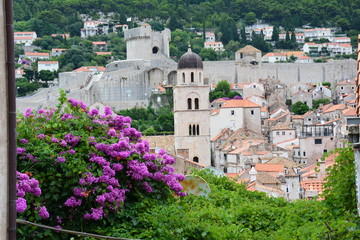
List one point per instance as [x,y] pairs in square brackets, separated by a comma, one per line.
[192,76]
[190,130]
[196,103]
[189,103]
[183,77]
[197,130]
[194,129]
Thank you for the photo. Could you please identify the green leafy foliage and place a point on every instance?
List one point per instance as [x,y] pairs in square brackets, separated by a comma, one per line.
[222,90]
[316,103]
[151,121]
[232,212]
[299,108]
[23,86]
[340,193]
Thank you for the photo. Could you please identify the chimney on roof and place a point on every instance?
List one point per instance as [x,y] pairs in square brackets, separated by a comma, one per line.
[322,167]
[252,174]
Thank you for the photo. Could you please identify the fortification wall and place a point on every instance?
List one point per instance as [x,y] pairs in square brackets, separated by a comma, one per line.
[73,80]
[288,73]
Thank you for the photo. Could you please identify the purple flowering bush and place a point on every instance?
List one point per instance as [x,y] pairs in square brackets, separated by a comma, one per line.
[77,166]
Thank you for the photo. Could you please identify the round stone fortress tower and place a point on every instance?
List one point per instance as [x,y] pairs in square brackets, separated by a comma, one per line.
[144,43]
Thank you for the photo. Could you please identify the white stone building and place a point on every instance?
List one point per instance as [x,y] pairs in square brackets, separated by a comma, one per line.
[217,46]
[34,55]
[48,65]
[24,37]
[318,33]
[273,57]
[92,28]
[235,114]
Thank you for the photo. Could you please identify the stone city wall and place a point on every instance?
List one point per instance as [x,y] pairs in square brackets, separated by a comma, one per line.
[288,73]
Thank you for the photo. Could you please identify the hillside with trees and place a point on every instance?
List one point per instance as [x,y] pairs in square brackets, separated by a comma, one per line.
[51,16]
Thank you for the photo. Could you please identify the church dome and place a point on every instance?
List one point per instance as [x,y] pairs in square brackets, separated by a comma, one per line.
[190,60]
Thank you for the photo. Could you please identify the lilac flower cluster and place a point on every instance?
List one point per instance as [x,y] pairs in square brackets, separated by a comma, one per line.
[111,158]
[24,185]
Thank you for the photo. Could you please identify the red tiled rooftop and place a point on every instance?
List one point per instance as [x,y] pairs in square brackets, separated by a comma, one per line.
[263,167]
[239,103]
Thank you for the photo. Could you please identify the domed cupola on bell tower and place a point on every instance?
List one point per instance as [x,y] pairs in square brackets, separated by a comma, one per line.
[190,69]
[191,110]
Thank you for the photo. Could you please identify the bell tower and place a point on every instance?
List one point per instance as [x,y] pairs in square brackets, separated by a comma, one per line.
[191,109]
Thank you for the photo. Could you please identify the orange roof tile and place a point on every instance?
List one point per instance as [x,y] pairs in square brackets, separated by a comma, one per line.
[90,69]
[249,48]
[48,62]
[23,38]
[335,107]
[37,54]
[289,140]
[349,112]
[272,54]
[103,53]
[239,103]
[99,43]
[264,167]
[218,136]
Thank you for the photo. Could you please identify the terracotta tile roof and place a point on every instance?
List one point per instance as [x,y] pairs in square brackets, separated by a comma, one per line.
[237,85]
[289,140]
[215,111]
[264,109]
[351,101]
[294,53]
[335,107]
[249,48]
[258,187]
[349,112]
[308,113]
[262,152]
[58,49]
[48,62]
[19,71]
[239,103]
[23,38]
[273,54]
[297,116]
[304,57]
[281,126]
[209,43]
[347,82]
[65,35]
[266,178]
[232,175]
[219,135]
[90,69]
[37,54]
[264,167]
[99,43]
[342,38]
[331,121]
[275,119]
[288,163]
[325,107]
[103,53]
[16,33]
